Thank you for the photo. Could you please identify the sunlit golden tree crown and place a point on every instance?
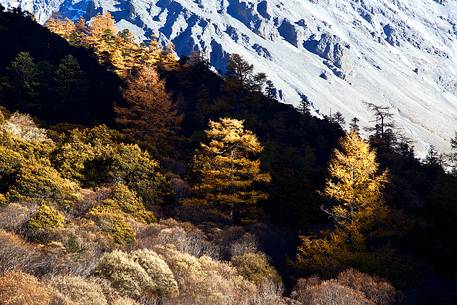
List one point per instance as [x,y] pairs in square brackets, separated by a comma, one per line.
[226,167]
[354,182]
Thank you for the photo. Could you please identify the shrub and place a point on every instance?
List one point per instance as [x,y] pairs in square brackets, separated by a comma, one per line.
[13,216]
[113,222]
[10,164]
[376,289]
[158,271]
[256,268]
[247,243]
[270,293]
[125,301]
[125,275]
[46,218]
[122,198]
[184,236]
[316,292]
[27,174]
[2,116]
[17,288]
[44,224]
[84,242]
[95,157]
[16,254]
[24,127]
[41,183]
[204,280]
[323,255]
[78,290]
[118,197]
[129,165]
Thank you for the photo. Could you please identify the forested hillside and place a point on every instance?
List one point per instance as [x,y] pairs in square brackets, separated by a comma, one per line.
[129,176]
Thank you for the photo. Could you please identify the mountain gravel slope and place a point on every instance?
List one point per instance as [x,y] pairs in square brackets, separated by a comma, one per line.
[338,53]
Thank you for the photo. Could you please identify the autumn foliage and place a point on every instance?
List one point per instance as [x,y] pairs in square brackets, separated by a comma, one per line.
[226,168]
[118,50]
[150,116]
[138,178]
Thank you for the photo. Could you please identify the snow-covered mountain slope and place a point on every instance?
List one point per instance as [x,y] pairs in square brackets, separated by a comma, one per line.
[339,53]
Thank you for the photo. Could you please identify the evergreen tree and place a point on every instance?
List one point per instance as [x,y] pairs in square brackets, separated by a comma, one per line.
[241,74]
[338,118]
[353,190]
[270,90]
[354,125]
[452,156]
[305,106]
[23,76]
[81,32]
[117,50]
[126,56]
[70,85]
[383,133]
[433,157]
[226,167]
[150,117]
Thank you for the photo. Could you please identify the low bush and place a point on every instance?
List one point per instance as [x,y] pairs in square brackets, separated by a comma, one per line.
[44,223]
[95,157]
[13,216]
[39,182]
[23,126]
[78,290]
[18,288]
[120,197]
[125,301]
[313,291]
[27,174]
[184,236]
[114,223]
[158,271]
[16,254]
[205,281]
[126,275]
[376,289]
[256,268]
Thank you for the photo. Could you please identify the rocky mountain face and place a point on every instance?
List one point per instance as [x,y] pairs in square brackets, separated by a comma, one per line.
[337,53]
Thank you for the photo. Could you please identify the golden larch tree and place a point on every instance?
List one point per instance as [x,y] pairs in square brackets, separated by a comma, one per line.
[227,168]
[117,49]
[168,60]
[102,37]
[62,27]
[354,190]
[150,118]
[355,182]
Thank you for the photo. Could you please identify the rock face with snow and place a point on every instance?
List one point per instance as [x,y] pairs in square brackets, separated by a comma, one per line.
[339,53]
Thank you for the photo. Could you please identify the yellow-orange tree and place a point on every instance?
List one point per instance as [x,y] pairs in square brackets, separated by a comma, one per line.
[354,183]
[353,190]
[116,49]
[226,167]
[150,117]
